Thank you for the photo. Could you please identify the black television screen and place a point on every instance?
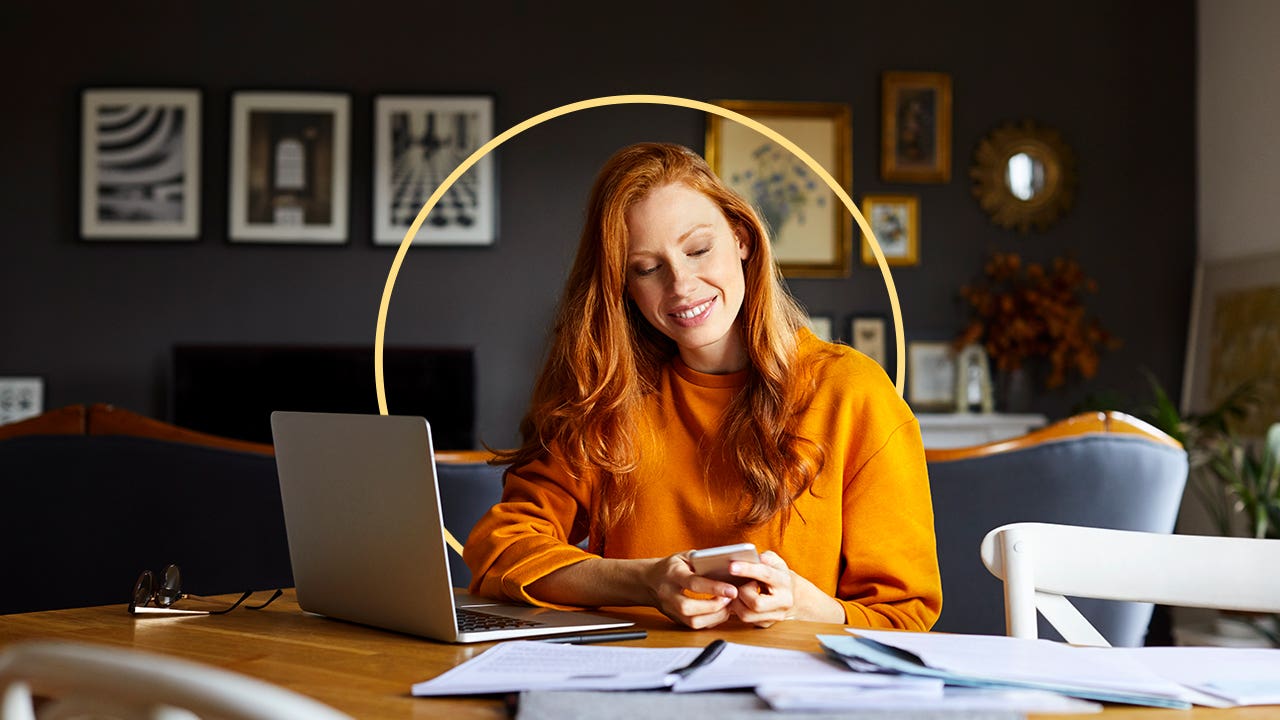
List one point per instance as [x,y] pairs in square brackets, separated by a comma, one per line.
[231,390]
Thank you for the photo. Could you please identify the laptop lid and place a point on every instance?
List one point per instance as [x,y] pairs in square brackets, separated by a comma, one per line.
[366,532]
[362,514]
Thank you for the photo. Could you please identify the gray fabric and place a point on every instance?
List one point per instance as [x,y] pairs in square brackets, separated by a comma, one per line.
[575,705]
[1123,482]
[467,491]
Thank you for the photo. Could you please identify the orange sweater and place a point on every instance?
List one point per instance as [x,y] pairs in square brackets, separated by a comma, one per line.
[864,534]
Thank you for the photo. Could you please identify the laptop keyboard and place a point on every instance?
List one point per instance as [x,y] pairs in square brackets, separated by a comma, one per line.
[475,621]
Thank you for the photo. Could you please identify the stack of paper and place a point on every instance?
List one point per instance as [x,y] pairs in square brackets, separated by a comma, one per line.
[531,665]
[868,669]
[1159,677]
[1234,676]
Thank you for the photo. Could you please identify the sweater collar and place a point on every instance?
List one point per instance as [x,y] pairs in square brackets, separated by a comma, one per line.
[707,380]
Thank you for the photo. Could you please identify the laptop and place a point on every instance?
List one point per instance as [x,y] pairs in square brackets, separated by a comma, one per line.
[366,533]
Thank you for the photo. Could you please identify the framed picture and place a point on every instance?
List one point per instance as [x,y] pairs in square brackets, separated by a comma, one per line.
[915,130]
[867,336]
[810,228]
[822,325]
[20,398]
[140,164]
[289,167]
[1235,337]
[418,141]
[931,376]
[895,219]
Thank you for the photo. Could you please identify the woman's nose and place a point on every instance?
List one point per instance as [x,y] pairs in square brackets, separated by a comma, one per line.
[683,281]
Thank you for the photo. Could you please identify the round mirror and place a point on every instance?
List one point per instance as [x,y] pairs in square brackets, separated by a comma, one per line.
[1023,176]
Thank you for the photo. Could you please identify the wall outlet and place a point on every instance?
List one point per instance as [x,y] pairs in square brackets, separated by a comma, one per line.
[20,398]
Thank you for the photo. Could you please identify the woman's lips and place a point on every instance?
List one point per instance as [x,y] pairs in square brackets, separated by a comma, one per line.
[693,315]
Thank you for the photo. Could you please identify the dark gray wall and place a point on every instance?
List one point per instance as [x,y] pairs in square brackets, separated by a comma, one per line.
[97,319]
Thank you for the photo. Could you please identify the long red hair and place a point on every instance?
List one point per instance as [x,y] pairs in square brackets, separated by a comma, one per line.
[605,358]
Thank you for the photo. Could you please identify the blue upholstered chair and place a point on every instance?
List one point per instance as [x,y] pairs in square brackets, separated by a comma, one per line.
[1105,470]
[469,486]
[98,495]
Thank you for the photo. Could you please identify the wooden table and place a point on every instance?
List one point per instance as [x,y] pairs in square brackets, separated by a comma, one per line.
[367,672]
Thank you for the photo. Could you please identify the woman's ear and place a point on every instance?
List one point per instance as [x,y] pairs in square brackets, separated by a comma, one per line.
[744,248]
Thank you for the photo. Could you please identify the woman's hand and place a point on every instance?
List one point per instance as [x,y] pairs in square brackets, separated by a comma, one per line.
[779,594]
[688,599]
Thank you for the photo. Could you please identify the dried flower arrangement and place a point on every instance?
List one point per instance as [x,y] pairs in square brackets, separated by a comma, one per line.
[1024,312]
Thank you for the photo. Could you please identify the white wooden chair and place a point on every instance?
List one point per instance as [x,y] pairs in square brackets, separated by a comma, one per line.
[1040,563]
[80,680]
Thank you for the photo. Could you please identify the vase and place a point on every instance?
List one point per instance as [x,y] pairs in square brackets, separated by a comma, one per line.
[1013,391]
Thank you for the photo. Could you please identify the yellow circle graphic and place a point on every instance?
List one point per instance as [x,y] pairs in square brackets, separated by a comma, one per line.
[493,144]
[380,333]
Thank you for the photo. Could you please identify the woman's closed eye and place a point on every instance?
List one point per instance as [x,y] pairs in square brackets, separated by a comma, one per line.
[643,270]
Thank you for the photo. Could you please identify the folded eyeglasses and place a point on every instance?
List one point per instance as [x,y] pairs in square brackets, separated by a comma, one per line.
[157,598]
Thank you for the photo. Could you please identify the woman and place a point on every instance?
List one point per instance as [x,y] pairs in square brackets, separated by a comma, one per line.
[682,405]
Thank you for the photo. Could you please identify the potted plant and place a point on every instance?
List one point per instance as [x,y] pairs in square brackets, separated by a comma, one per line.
[1026,312]
[1236,479]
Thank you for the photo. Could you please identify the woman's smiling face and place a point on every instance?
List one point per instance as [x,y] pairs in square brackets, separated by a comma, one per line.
[684,273]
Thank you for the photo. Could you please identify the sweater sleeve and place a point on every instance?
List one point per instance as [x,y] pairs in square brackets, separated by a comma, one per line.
[529,533]
[889,576]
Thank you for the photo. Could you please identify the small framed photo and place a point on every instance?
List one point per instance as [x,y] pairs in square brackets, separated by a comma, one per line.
[915,131]
[931,376]
[822,326]
[21,398]
[289,167]
[418,142]
[140,164]
[895,219]
[867,336]
[811,230]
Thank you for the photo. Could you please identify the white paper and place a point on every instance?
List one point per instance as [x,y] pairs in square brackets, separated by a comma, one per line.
[1039,661]
[532,665]
[1239,676]
[837,698]
[746,666]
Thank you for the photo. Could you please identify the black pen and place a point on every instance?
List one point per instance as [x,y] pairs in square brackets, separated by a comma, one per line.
[598,637]
[709,653]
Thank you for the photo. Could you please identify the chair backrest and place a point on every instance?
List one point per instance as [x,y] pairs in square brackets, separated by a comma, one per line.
[83,680]
[1098,469]
[1040,563]
[104,493]
[469,486]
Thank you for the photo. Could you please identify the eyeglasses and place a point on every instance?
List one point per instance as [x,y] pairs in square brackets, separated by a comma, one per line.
[156,598]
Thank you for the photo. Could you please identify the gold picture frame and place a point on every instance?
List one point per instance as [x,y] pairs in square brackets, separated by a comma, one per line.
[895,219]
[1235,338]
[915,130]
[812,233]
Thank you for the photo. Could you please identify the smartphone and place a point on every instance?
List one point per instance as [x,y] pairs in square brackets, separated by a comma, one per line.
[714,562]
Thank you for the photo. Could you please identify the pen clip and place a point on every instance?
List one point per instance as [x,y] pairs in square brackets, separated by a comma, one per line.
[708,654]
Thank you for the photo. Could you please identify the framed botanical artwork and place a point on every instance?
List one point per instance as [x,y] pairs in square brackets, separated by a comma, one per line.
[418,142]
[931,376]
[915,130]
[809,226]
[895,219]
[1235,338]
[822,327]
[289,166]
[140,164]
[867,335]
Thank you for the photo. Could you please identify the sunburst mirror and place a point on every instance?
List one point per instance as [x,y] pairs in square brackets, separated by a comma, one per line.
[1023,176]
